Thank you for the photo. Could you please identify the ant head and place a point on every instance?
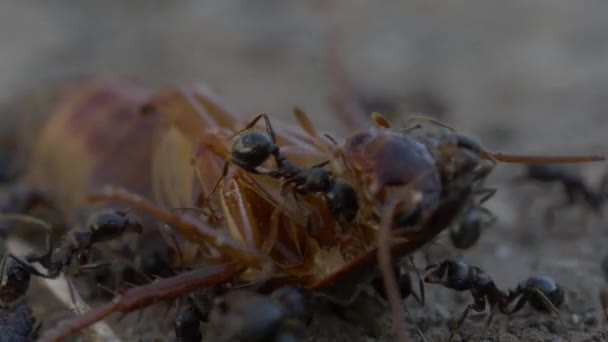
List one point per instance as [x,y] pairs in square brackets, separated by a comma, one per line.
[343,202]
[252,148]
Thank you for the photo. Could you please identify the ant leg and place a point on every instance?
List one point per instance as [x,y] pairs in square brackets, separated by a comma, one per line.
[491,218]
[413,128]
[484,171]
[603,188]
[252,123]
[478,305]
[320,165]
[428,119]
[486,193]
[420,283]
[330,138]
[421,333]
[549,305]
[604,301]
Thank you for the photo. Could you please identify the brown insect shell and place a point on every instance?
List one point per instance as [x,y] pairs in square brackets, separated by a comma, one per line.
[95,135]
[188,162]
[295,231]
[385,165]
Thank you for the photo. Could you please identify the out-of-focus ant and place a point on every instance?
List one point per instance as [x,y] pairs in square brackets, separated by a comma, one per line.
[73,256]
[104,226]
[14,279]
[17,322]
[191,311]
[244,315]
[404,280]
[253,147]
[603,294]
[543,293]
[575,188]
[465,233]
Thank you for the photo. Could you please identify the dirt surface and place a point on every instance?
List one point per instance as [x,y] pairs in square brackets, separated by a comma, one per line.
[526,77]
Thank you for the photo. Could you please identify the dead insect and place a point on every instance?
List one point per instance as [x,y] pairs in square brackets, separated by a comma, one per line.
[248,230]
[576,190]
[542,293]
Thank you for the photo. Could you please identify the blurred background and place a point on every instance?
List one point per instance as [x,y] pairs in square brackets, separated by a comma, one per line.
[523,76]
[514,71]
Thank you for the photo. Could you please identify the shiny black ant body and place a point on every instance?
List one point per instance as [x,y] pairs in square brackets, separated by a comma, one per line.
[252,148]
[542,293]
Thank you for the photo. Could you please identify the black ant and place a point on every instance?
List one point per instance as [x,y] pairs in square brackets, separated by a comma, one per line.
[575,188]
[244,315]
[252,148]
[16,318]
[404,280]
[543,293]
[14,279]
[465,233]
[191,311]
[73,256]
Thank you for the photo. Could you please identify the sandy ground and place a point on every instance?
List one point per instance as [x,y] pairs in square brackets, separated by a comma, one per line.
[528,77]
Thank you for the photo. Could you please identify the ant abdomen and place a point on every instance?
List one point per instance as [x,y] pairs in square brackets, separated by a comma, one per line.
[554,293]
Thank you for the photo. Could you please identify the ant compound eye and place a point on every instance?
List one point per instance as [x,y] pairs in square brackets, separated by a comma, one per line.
[253,148]
[343,202]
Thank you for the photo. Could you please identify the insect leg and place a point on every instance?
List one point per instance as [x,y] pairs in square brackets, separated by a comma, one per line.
[140,297]
[388,276]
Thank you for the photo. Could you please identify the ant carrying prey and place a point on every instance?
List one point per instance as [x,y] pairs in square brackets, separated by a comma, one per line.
[542,293]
